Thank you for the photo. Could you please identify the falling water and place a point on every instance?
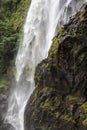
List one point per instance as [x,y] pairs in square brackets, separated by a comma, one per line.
[43,18]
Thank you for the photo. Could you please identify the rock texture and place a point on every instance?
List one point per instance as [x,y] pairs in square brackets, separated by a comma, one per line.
[59,100]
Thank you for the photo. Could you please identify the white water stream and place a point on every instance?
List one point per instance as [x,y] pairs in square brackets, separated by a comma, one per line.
[43,18]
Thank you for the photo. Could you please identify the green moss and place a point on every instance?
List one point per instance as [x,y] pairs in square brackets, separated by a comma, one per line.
[83,115]
[57,114]
[55,40]
[73,32]
[72,98]
[47,90]
[53,50]
[44,65]
[3,83]
[68,118]
[81,57]
[52,56]
[48,105]
[83,16]
[85,122]
[37,78]
[61,31]
[35,96]
[84,107]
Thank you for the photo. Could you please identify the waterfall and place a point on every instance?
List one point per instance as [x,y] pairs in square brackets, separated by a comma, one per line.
[41,24]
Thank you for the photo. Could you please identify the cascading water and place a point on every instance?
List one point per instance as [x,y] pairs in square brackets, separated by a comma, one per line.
[43,18]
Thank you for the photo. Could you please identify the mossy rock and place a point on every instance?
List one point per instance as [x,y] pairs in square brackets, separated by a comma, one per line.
[84,107]
[67,118]
[72,98]
[59,99]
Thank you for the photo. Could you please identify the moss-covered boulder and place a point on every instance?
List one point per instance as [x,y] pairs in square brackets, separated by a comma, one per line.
[59,100]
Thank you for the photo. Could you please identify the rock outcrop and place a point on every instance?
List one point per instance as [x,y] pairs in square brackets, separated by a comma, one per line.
[59,100]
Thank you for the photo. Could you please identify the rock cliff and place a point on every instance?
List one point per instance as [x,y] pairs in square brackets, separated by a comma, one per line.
[59,100]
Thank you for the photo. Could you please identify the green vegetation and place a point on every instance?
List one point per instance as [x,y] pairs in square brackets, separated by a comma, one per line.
[57,114]
[85,122]
[84,107]
[83,115]
[72,98]
[83,16]
[55,40]
[68,118]
[3,82]
[82,57]
[48,105]
[12,13]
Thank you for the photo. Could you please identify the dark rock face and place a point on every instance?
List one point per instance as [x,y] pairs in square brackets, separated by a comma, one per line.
[59,100]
